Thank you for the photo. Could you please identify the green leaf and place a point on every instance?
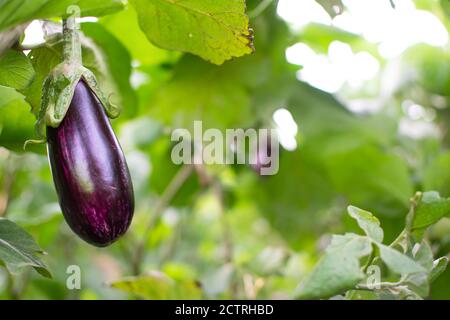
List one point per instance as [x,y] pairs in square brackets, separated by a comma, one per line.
[335,149]
[124,26]
[103,64]
[367,222]
[338,270]
[16,70]
[437,175]
[16,121]
[398,262]
[214,30]
[332,7]
[118,65]
[14,12]
[371,177]
[43,59]
[18,249]
[432,65]
[424,255]
[429,210]
[418,283]
[301,189]
[445,4]
[157,286]
[201,91]
[405,293]
[346,145]
[439,266]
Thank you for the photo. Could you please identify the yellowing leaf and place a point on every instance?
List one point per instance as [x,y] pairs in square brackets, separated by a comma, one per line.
[216,30]
[157,286]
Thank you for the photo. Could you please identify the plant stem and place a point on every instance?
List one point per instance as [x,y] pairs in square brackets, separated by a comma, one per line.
[227,238]
[399,239]
[262,6]
[71,37]
[226,230]
[177,182]
[172,245]
[10,286]
[379,285]
[8,182]
[369,260]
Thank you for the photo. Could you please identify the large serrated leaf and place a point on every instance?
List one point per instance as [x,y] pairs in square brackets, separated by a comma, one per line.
[338,270]
[18,249]
[201,91]
[16,70]
[216,30]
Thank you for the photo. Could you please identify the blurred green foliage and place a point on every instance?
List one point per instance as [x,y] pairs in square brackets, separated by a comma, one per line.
[224,231]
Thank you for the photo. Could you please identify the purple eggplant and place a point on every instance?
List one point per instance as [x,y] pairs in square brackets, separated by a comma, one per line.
[90,171]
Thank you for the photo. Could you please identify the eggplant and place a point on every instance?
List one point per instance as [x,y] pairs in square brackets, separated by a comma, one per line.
[89,171]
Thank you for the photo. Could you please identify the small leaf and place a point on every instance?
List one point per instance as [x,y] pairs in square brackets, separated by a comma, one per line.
[439,266]
[367,222]
[332,7]
[43,59]
[424,255]
[157,286]
[398,262]
[429,209]
[338,270]
[418,282]
[18,249]
[16,70]
[214,30]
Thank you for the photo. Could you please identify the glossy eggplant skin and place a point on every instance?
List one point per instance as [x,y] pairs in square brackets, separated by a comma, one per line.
[90,172]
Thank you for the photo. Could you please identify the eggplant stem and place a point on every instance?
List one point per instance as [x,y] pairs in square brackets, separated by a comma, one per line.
[28,142]
[71,37]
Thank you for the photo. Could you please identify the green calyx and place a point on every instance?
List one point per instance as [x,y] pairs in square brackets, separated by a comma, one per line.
[59,86]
